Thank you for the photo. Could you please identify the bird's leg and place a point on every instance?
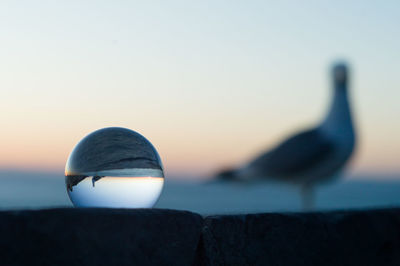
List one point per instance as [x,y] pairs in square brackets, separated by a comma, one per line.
[95,178]
[307,197]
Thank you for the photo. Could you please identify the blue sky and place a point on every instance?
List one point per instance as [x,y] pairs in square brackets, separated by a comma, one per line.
[209,83]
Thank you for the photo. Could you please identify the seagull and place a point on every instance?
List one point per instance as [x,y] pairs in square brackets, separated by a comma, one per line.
[312,156]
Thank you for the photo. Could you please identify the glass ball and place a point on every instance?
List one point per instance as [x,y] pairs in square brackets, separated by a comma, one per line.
[114,167]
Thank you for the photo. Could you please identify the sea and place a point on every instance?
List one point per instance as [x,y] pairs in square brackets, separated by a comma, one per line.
[37,190]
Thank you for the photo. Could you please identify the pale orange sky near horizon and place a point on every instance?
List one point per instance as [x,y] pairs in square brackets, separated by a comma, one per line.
[208,93]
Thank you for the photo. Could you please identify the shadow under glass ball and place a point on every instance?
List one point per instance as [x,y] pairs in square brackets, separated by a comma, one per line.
[114,167]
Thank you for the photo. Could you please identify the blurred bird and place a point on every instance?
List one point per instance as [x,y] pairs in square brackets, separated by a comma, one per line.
[311,156]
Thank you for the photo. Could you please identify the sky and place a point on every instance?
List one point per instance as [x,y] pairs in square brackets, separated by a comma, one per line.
[209,83]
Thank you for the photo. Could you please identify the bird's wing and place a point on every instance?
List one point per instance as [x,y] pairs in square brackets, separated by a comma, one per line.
[73,180]
[294,155]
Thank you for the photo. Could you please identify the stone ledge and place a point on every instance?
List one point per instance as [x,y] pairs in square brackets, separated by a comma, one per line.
[98,237]
[370,237]
[168,237]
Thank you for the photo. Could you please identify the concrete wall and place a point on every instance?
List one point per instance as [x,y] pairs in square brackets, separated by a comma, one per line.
[168,237]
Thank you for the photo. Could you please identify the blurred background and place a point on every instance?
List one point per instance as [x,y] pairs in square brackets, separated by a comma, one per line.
[210,84]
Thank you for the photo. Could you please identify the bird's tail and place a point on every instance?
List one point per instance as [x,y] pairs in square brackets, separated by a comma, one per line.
[226,175]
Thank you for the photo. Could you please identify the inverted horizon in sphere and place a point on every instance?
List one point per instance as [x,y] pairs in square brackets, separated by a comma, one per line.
[114,167]
[132,192]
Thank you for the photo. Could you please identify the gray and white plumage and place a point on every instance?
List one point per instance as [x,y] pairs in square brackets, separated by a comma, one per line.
[314,155]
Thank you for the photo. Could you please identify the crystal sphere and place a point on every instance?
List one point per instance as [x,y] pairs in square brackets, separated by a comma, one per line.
[114,167]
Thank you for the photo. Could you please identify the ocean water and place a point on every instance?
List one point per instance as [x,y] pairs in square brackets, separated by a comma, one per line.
[24,190]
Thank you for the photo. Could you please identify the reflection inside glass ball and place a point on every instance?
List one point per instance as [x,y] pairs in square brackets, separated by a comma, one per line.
[114,167]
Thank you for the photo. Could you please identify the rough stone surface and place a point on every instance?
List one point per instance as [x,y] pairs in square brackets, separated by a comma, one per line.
[335,238]
[167,237]
[99,237]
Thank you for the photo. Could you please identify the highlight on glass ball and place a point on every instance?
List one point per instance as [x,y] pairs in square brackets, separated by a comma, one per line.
[115,168]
